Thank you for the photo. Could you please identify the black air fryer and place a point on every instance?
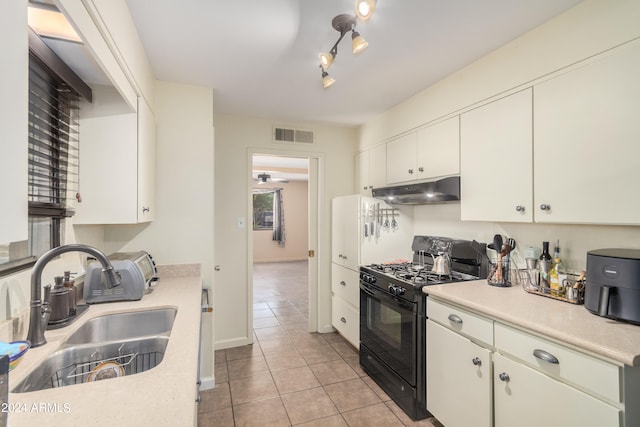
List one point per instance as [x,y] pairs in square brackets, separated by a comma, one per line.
[613,284]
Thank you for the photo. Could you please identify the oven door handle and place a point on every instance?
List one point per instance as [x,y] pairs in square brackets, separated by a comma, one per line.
[367,291]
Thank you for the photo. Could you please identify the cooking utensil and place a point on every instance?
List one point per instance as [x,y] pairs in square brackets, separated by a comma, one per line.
[497,243]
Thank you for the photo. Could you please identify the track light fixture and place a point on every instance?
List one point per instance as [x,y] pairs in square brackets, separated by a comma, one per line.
[343,24]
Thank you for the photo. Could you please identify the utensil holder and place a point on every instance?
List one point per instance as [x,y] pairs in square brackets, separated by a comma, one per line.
[499,273]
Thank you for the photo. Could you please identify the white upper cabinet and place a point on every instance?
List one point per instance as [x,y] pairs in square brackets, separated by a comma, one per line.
[14,87]
[401,159]
[117,172]
[496,160]
[430,152]
[439,149]
[372,166]
[587,142]
[146,162]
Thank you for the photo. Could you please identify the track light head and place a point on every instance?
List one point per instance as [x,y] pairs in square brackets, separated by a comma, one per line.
[327,80]
[365,8]
[358,44]
[326,58]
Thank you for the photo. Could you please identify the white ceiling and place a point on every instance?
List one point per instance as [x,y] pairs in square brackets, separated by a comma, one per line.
[261,57]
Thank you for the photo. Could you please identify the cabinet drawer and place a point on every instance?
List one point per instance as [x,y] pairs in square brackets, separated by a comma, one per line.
[462,321]
[346,319]
[345,283]
[594,375]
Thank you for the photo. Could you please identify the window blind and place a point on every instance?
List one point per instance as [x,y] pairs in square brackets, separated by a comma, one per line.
[53,142]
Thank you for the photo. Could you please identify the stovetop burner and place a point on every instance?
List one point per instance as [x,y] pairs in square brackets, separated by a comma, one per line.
[417,274]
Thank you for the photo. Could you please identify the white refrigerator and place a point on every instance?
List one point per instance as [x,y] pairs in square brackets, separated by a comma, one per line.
[364,230]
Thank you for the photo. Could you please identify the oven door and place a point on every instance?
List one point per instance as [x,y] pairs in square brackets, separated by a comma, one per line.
[388,330]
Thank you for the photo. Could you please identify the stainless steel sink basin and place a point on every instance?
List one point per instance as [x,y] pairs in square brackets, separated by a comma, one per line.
[94,362]
[123,326]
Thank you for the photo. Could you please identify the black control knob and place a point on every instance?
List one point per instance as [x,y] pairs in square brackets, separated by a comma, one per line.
[396,290]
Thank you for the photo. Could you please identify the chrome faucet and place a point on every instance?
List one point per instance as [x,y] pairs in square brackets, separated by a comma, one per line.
[40,310]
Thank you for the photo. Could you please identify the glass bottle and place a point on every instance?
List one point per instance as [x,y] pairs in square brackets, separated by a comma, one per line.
[544,263]
[555,281]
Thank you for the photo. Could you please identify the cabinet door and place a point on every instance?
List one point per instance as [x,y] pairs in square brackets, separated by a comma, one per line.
[378,167]
[458,379]
[108,170]
[345,240]
[529,398]
[146,162]
[401,159]
[496,160]
[14,87]
[439,149]
[362,164]
[586,142]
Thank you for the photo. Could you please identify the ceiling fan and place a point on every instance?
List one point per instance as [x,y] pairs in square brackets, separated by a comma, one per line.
[265,177]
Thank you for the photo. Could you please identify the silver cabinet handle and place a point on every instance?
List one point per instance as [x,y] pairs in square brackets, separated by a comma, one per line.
[420,169]
[145,209]
[504,377]
[477,361]
[545,356]
[410,171]
[216,268]
[519,208]
[364,188]
[455,319]
[343,283]
[545,207]
[343,320]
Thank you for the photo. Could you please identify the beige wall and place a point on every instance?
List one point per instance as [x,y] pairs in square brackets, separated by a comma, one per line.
[583,31]
[236,139]
[182,231]
[295,205]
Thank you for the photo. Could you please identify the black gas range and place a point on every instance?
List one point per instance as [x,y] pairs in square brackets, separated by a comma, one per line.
[393,314]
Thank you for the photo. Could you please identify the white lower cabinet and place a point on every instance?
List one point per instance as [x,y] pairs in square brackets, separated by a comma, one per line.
[346,319]
[482,372]
[525,397]
[458,379]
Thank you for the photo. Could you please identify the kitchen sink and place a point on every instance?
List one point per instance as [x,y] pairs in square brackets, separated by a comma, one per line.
[123,326]
[93,362]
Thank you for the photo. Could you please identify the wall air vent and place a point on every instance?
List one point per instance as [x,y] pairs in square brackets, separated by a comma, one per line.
[292,136]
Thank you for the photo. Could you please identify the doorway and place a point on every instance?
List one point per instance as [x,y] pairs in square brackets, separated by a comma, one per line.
[283,275]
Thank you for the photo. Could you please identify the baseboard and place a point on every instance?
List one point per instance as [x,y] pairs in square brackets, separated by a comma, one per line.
[207,383]
[274,260]
[230,343]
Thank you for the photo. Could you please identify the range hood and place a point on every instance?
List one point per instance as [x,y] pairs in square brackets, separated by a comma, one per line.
[424,193]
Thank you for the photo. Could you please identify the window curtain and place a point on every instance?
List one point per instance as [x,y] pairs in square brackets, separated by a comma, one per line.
[278,218]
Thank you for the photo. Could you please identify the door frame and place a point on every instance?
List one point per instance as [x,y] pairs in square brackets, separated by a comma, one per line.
[315,198]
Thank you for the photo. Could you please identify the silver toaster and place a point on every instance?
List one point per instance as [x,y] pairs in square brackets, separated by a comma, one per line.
[136,270]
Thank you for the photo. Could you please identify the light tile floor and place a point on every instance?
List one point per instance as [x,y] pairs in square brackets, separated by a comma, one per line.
[291,377]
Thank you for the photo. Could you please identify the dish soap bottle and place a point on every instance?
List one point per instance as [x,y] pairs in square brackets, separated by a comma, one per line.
[554,275]
[545,267]
[69,282]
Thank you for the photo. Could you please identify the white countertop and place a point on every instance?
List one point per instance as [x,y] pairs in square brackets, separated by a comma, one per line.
[568,323]
[162,396]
